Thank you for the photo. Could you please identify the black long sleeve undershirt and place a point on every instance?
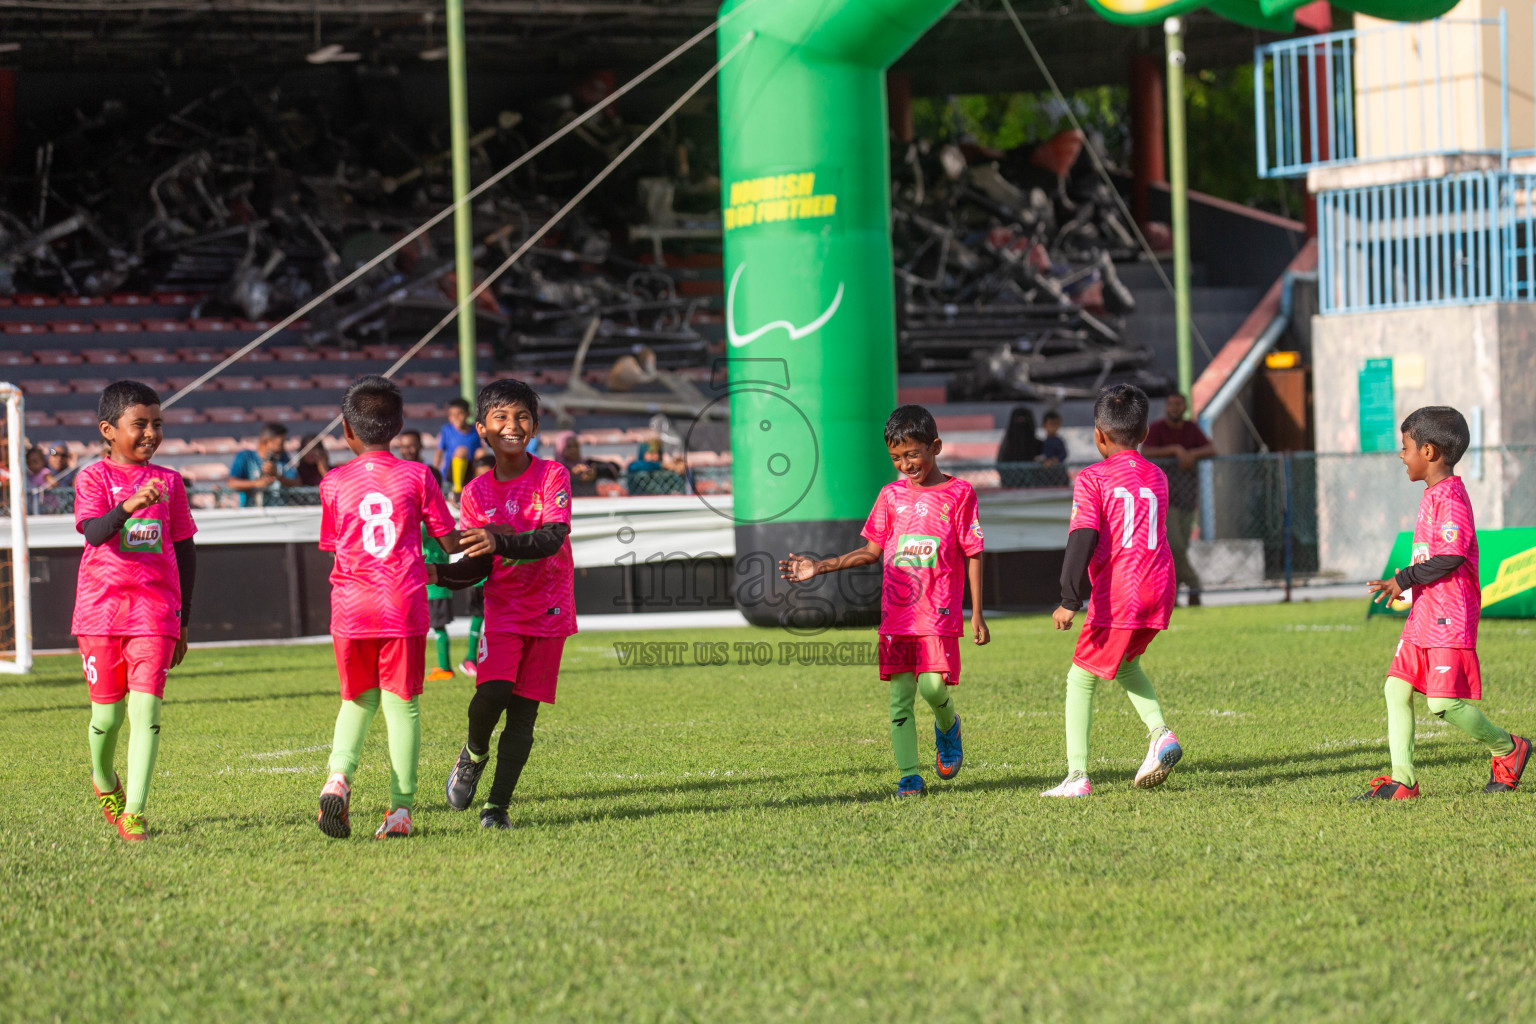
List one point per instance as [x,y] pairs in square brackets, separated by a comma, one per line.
[1429,571]
[186,572]
[105,526]
[1074,568]
[470,570]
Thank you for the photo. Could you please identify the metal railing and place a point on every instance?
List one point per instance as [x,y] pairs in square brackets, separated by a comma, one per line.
[1393,92]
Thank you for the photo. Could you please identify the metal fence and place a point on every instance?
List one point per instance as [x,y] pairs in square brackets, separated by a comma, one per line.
[1393,92]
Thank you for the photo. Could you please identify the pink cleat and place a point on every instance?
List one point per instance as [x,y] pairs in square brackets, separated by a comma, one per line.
[1076,784]
[1162,754]
[335,807]
[397,825]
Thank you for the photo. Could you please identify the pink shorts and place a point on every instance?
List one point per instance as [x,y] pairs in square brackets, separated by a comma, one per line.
[394,664]
[113,665]
[1438,671]
[530,663]
[920,654]
[1102,650]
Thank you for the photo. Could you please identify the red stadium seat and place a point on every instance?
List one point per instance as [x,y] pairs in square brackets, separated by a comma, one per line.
[390,351]
[229,414]
[71,327]
[57,357]
[76,418]
[431,379]
[288,382]
[422,410]
[173,298]
[35,301]
[26,327]
[88,385]
[177,383]
[331,380]
[43,386]
[161,325]
[275,413]
[436,351]
[118,326]
[211,323]
[84,300]
[293,354]
[201,355]
[11,357]
[342,355]
[131,299]
[238,382]
[37,419]
[106,356]
[181,415]
[320,413]
[153,355]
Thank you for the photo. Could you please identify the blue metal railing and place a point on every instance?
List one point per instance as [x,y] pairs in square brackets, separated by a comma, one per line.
[1378,94]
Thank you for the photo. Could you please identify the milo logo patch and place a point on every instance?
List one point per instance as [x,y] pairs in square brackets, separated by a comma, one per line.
[140,537]
[916,551]
[1420,553]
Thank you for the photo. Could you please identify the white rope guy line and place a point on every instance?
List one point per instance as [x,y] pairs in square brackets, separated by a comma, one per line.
[442,215]
[533,239]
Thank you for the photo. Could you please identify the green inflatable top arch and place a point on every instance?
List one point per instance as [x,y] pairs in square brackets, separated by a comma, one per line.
[1274,15]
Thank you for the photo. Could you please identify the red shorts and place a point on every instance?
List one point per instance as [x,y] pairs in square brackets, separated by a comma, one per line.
[113,665]
[530,663]
[394,664]
[919,654]
[1102,650]
[1438,671]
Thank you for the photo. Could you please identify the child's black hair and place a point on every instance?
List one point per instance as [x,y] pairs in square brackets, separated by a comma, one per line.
[1051,414]
[119,396]
[910,423]
[458,403]
[409,433]
[374,408]
[269,430]
[1441,426]
[1120,412]
[499,394]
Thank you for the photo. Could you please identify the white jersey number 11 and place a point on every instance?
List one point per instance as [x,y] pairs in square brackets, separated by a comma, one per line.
[1128,530]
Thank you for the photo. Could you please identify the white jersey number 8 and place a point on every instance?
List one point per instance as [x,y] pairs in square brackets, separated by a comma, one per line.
[379,534]
[1128,529]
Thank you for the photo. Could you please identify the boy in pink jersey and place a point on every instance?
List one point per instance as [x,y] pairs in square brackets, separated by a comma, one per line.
[133,594]
[1118,558]
[926,530]
[372,510]
[1437,655]
[517,523]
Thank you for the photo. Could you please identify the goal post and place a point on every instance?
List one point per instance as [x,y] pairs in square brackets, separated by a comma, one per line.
[15,569]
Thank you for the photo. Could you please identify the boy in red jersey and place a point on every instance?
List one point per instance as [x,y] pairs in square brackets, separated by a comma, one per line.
[371,514]
[517,523]
[1437,655]
[1118,554]
[134,590]
[926,530]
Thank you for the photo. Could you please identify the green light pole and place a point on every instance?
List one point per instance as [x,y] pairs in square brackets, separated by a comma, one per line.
[1178,193]
[463,218]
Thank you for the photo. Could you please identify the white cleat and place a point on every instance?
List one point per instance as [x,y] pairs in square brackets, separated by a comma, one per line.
[397,825]
[1072,785]
[1162,754]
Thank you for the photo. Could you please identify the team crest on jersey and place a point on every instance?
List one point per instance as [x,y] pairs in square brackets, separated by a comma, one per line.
[140,537]
[511,508]
[921,508]
[916,551]
[976,528]
[562,499]
[1449,532]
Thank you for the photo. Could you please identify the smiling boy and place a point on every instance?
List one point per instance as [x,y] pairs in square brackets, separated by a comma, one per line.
[133,594]
[926,531]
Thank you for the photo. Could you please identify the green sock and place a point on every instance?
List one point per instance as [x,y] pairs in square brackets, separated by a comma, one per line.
[903,727]
[1080,687]
[404,720]
[443,661]
[1400,730]
[1133,679]
[143,745]
[351,730]
[1465,715]
[475,625]
[106,721]
[939,696]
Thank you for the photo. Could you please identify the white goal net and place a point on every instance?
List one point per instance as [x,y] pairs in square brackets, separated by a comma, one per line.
[15,572]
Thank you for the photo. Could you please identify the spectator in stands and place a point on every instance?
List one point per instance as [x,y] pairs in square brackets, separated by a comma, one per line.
[408,449]
[38,476]
[1053,450]
[648,475]
[1019,446]
[584,474]
[1184,444]
[61,463]
[315,463]
[456,444]
[267,466]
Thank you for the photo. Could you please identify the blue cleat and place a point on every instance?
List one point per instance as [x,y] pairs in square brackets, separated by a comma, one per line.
[949,756]
[910,785]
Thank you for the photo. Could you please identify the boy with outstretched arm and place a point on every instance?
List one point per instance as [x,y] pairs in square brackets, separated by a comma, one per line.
[926,531]
[517,524]
[133,594]
[1437,655]
[371,514]
[1118,559]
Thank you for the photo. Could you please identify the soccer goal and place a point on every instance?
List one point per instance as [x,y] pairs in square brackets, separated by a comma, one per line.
[15,572]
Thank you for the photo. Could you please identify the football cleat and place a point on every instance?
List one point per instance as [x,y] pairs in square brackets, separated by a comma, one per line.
[397,825]
[112,803]
[495,817]
[439,675]
[1076,784]
[1505,774]
[1163,752]
[948,757]
[910,785]
[335,807]
[468,668]
[1383,788]
[464,778]
[131,827]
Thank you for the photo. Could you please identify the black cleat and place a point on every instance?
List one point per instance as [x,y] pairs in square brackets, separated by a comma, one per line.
[464,779]
[495,817]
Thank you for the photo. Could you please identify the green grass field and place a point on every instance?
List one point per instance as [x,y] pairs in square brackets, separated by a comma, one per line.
[721,844]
